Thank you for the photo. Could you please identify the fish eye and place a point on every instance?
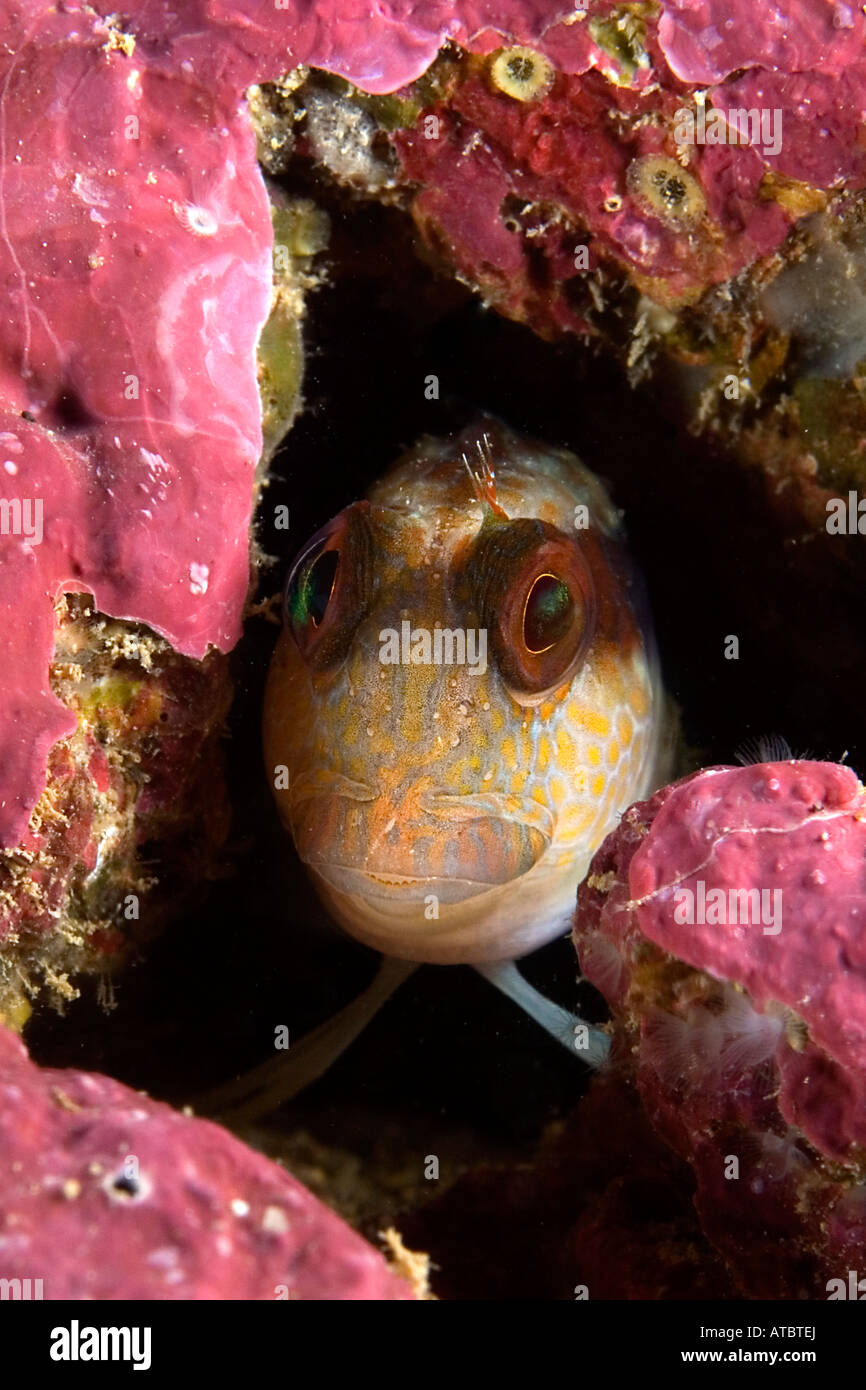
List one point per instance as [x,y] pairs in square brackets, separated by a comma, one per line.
[311,586]
[533,591]
[327,590]
[547,613]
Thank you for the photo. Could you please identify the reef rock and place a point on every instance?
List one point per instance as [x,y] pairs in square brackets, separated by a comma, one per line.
[723,921]
[136,283]
[677,183]
[107,1194]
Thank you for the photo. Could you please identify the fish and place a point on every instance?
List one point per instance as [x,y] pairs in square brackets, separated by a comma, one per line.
[464,699]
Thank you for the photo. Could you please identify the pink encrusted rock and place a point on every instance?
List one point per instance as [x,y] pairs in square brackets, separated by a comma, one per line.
[134,281]
[606,133]
[134,266]
[567,151]
[742,1019]
[706,40]
[106,1194]
[820,121]
[804,58]
[135,240]
[379,48]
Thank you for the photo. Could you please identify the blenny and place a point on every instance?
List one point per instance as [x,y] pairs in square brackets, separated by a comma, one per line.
[464,699]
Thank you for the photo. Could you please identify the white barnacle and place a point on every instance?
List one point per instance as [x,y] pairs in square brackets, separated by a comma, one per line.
[196,219]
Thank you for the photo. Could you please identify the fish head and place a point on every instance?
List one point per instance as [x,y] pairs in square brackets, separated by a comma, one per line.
[463,700]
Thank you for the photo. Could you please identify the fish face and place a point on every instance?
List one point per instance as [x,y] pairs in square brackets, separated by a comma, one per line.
[463,699]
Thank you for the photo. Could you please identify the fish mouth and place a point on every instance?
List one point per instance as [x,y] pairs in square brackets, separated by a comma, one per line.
[455,847]
[433,876]
[391,888]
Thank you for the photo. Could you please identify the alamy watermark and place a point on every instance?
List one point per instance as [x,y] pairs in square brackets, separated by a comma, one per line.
[77,1343]
[854,1289]
[737,906]
[759,127]
[443,646]
[846,516]
[22,517]
[21,1290]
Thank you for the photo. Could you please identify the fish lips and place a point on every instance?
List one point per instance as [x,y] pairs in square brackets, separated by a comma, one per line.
[395,888]
[455,847]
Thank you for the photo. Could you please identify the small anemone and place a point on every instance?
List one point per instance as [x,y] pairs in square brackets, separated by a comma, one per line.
[750,1037]
[603,964]
[705,1048]
[763,748]
[521,73]
[662,187]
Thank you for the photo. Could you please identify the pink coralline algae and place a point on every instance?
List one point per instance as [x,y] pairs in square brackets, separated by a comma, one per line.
[706,40]
[135,256]
[564,173]
[109,1195]
[724,922]
[143,765]
[804,58]
[379,48]
[134,280]
[511,189]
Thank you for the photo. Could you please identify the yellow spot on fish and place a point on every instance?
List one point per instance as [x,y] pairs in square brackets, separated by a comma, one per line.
[613,754]
[577,819]
[598,784]
[590,719]
[593,755]
[565,750]
[509,753]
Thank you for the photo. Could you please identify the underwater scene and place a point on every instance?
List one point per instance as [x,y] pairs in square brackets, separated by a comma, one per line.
[432,536]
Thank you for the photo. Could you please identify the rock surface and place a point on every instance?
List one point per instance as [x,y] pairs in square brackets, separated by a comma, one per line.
[135,278]
[723,922]
[110,1195]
